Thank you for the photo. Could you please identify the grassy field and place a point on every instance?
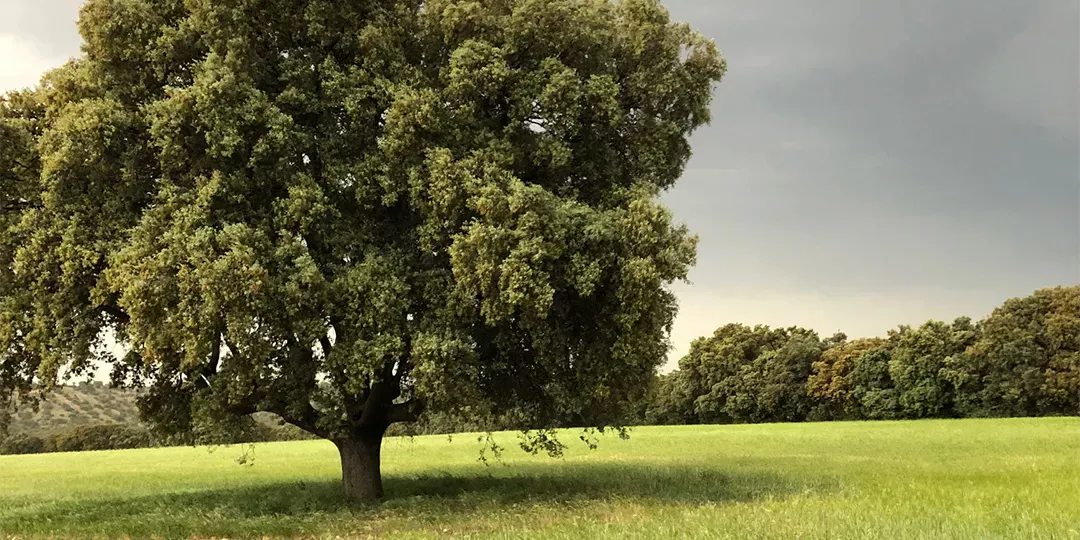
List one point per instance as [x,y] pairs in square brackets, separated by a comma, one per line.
[1017,478]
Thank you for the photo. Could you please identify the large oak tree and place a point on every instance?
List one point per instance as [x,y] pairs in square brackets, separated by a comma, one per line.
[353,212]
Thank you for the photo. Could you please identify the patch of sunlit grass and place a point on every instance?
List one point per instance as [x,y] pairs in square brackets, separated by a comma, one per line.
[1015,478]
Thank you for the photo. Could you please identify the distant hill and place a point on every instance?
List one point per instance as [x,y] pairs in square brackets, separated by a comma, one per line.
[86,404]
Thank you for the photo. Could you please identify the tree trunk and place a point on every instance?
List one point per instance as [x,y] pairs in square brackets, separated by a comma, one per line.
[360,474]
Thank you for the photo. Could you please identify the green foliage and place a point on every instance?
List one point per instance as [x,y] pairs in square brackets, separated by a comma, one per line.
[667,401]
[100,437]
[21,443]
[353,214]
[874,389]
[845,373]
[744,374]
[918,358]
[1026,361]
[1022,360]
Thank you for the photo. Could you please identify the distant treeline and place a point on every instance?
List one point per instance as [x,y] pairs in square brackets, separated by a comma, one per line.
[1022,360]
[78,438]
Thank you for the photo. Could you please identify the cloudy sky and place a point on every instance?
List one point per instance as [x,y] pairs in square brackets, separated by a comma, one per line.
[870,162]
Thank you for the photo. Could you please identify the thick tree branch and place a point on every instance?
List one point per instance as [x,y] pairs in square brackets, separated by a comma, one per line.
[324,342]
[215,353]
[382,394]
[308,422]
[241,409]
[404,368]
[379,407]
[210,369]
[405,412]
[260,401]
[268,400]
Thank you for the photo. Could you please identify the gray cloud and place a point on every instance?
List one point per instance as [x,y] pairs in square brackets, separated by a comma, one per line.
[919,154]
[870,163]
[48,26]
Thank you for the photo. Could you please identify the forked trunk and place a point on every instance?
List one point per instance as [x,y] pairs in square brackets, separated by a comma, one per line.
[360,474]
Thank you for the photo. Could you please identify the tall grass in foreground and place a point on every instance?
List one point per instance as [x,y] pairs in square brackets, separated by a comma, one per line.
[1011,478]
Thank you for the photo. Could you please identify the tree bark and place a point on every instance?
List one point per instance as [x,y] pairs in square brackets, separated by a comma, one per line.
[361,476]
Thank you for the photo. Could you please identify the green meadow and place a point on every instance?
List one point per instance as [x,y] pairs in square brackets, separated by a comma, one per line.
[970,479]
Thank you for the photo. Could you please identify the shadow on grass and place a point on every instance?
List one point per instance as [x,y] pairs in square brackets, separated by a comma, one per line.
[304,508]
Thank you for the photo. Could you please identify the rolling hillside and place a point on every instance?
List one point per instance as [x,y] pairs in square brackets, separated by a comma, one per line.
[86,404]
[91,404]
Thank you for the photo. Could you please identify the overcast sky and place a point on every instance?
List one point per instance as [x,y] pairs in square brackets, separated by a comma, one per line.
[870,162]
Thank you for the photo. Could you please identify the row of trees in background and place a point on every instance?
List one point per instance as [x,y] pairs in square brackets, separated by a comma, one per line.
[78,438]
[1022,360]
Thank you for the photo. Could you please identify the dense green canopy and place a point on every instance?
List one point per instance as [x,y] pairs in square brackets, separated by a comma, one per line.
[352,212]
[1021,360]
[1026,361]
[746,374]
